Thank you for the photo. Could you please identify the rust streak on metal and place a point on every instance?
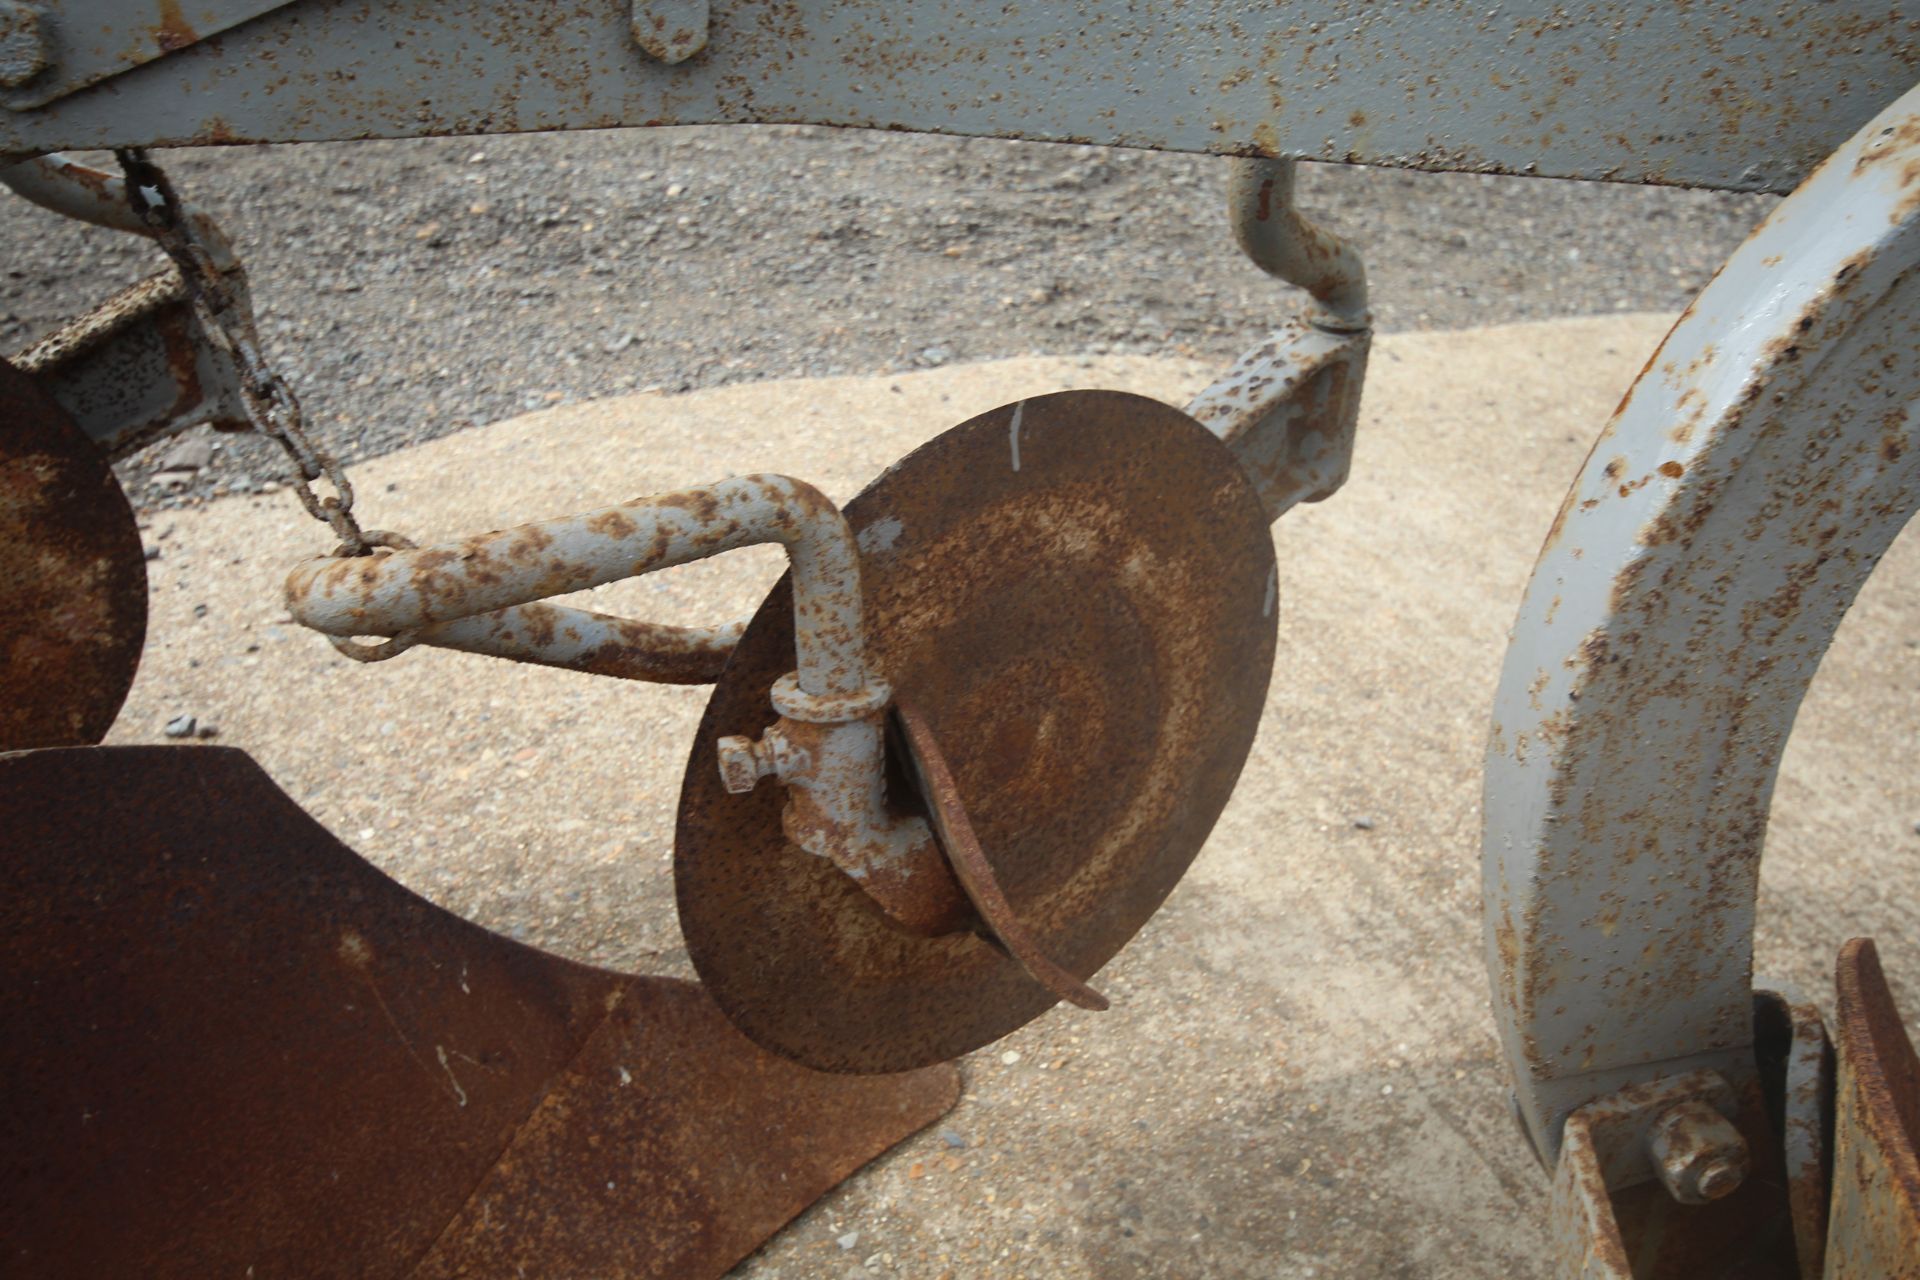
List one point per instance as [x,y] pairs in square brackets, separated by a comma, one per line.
[173,31]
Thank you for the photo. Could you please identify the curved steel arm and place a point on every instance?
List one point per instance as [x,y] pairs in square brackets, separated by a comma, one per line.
[1681,603]
[1287,245]
[74,190]
[425,595]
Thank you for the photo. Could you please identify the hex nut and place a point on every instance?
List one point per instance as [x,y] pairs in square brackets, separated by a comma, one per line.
[1697,1153]
[23,44]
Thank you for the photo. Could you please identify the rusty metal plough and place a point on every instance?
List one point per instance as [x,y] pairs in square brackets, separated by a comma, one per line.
[265,1041]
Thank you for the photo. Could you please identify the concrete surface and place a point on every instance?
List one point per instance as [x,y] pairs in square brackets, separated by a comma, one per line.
[1299,1076]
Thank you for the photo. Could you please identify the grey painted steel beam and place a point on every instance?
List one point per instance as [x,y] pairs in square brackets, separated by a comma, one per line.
[1731,94]
[1682,600]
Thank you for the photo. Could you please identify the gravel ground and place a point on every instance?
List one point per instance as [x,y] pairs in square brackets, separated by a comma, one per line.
[412,289]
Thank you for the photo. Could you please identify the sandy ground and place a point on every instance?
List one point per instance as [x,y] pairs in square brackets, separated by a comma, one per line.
[1299,1076]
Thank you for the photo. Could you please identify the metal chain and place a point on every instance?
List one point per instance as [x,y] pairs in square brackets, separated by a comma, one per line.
[270,402]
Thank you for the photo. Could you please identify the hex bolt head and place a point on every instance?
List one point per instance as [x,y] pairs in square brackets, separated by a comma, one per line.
[23,44]
[740,762]
[670,30]
[1698,1154]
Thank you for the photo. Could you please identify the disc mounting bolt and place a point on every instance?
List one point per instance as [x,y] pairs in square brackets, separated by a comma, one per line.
[743,762]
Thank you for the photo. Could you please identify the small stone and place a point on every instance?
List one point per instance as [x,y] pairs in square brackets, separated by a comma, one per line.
[952,1138]
[1363,823]
[427,232]
[199,611]
[935,355]
[191,454]
[172,479]
[207,731]
[848,1241]
[478,157]
[675,191]
[153,553]
[180,727]
[1010,1057]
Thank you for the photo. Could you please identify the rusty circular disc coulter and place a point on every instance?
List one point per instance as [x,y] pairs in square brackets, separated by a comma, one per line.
[73,577]
[1077,595]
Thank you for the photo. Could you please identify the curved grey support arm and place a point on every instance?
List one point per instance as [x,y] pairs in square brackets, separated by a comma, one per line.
[86,194]
[549,635]
[413,593]
[1682,601]
[1284,244]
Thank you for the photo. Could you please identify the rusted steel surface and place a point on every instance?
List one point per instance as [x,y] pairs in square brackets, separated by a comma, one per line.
[75,190]
[409,593]
[975,872]
[1284,244]
[87,41]
[843,806]
[232,1045]
[73,577]
[600,644]
[1585,1237]
[1726,94]
[1875,1233]
[1683,598]
[1610,1222]
[138,368]
[1288,409]
[1796,1062]
[1077,593]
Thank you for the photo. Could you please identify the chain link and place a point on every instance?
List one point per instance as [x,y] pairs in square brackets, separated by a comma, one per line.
[270,402]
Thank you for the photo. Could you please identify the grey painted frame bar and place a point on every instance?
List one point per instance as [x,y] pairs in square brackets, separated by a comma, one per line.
[1731,94]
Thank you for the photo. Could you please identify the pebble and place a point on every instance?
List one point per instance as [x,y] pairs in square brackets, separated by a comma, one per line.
[180,727]
[952,1138]
[1363,823]
[849,1240]
[1010,1057]
[190,454]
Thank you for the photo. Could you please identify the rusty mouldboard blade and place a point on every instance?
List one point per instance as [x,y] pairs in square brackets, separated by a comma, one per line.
[231,1046]
[1874,1217]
